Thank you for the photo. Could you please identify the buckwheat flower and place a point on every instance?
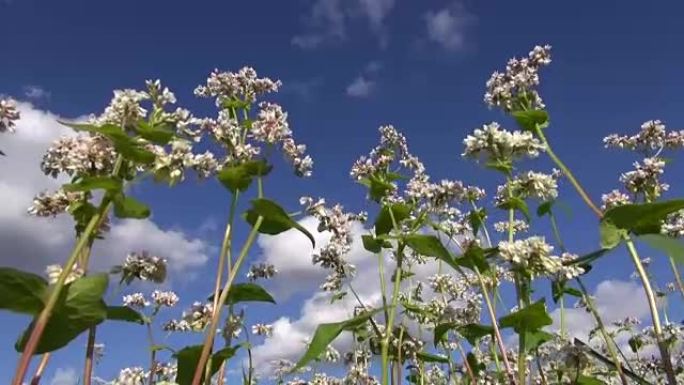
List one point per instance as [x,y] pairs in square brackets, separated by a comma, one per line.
[194,319]
[261,271]
[529,185]
[262,330]
[295,154]
[50,205]
[177,326]
[614,198]
[164,298]
[515,88]
[493,144]
[131,376]
[98,352]
[205,165]
[8,115]
[158,95]
[531,255]
[244,85]
[518,226]
[673,225]
[124,108]
[144,267]
[84,155]
[135,300]
[54,271]
[271,125]
[653,136]
[172,164]
[232,327]
[645,179]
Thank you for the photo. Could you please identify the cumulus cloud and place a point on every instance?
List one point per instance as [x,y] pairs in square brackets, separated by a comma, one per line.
[360,87]
[447,26]
[327,20]
[31,243]
[34,92]
[64,376]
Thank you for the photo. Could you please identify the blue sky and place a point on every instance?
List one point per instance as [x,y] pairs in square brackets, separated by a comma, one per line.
[422,67]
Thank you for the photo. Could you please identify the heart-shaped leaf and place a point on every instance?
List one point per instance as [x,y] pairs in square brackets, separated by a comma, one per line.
[275,219]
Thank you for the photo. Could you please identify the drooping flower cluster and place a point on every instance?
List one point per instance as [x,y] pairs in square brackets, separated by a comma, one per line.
[645,178]
[261,271]
[496,144]
[8,115]
[50,205]
[54,271]
[331,256]
[84,155]
[195,319]
[533,256]
[144,267]
[516,87]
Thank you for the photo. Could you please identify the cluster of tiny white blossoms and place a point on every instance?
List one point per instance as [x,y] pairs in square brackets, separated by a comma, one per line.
[144,266]
[533,256]
[261,271]
[517,226]
[131,376]
[331,255]
[645,178]
[494,143]
[233,325]
[164,298]
[195,319]
[83,155]
[8,115]
[178,158]
[505,90]
[614,198]
[262,330]
[673,225]
[653,136]
[529,185]
[54,271]
[270,127]
[136,300]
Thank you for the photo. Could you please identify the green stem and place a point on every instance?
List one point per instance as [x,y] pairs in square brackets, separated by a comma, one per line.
[678,277]
[390,320]
[657,328]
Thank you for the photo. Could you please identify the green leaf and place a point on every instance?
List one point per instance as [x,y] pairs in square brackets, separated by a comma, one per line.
[672,247]
[275,219]
[530,120]
[559,288]
[428,245]
[21,292]
[635,343]
[475,257]
[90,183]
[127,207]
[248,292]
[378,187]
[535,339]
[587,380]
[133,151]
[159,134]
[544,208]
[79,308]
[476,219]
[516,203]
[611,235]
[124,313]
[326,334]
[501,165]
[239,177]
[371,243]
[474,364]
[188,358]
[529,319]
[642,218]
[383,223]
[471,332]
[427,357]
[586,260]
[220,356]
[111,131]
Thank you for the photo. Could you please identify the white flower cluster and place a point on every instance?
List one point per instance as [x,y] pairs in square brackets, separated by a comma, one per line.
[645,178]
[262,330]
[533,256]
[331,256]
[515,88]
[131,376]
[653,136]
[261,271]
[50,205]
[124,109]
[83,155]
[517,226]
[136,300]
[529,185]
[8,115]
[144,266]
[244,85]
[614,198]
[54,271]
[164,298]
[195,319]
[494,143]
[179,158]
[673,225]
[232,327]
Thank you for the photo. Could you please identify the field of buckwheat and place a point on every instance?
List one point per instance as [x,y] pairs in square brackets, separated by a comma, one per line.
[453,327]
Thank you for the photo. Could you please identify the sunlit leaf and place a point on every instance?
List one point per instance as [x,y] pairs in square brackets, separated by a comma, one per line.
[127,207]
[383,223]
[125,314]
[90,183]
[530,120]
[21,292]
[528,319]
[275,219]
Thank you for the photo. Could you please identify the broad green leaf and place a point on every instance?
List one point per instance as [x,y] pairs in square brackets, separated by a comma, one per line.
[475,256]
[248,292]
[21,292]
[239,177]
[474,364]
[611,235]
[220,356]
[427,357]
[159,134]
[471,332]
[383,223]
[133,151]
[528,319]
[501,165]
[635,343]
[111,131]
[378,187]
[90,183]
[672,247]
[428,245]
[127,207]
[188,358]
[326,334]
[535,339]
[476,219]
[530,120]
[275,219]
[371,243]
[124,313]
[642,218]
[515,203]
[80,308]
[587,380]
[586,260]
[544,208]
[560,288]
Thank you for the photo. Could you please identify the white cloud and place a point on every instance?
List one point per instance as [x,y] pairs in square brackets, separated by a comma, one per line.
[31,243]
[360,87]
[36,92]
[63,376]
[328,19]
[304,89]
[447,26]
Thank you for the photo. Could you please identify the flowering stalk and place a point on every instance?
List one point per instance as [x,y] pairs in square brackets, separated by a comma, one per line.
[657,328]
